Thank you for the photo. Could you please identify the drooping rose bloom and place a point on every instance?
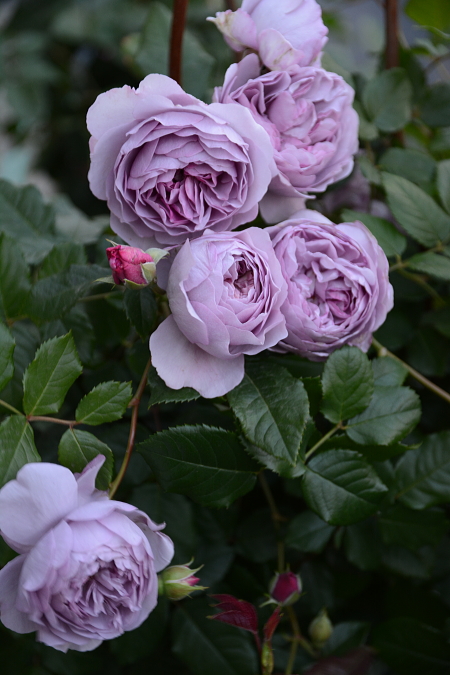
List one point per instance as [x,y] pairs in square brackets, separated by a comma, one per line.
[308,115]
[225,291]
[170,166]
[284,32]
[338,284]
[87,565]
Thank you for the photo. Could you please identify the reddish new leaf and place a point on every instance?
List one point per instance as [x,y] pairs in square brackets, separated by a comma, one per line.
[236,612]
[271,625]
[356,662]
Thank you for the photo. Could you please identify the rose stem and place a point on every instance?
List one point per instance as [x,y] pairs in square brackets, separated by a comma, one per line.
[10,407]
[298,640]
[276,517]
[176,38]
[382,351]
[134,403]
[391,20]
[40,418]
[323,439]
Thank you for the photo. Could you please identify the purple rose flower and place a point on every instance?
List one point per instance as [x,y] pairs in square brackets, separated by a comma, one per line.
[338,284]
[225,292]
[87,569]
[285,33]
[309,117]
[170,166]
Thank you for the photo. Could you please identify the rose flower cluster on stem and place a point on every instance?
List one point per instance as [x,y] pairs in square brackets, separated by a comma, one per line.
[183,174]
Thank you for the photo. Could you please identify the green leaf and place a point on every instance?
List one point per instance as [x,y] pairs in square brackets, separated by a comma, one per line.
[55,295]
[28,220]
[48,378]
[138,644]
[367,131]
[308,533]
[107,402]
[346,635]
[413,165]
[373,453]
[434,13]
[341,487]
[152,54]
[209,646]
[61,257]
[416,211]
[443,183]
[14,279]
[389,238]
[412,529]
[141,310]
[423,474]
[77,448]
[412,648]
[17,447]
[362,543]
[431,263]
[391,415]
[209,465]
[73,224]
[387,99]
[347,384]
[273,408]
[161,393]
[7,344]
[388,372]
[435,105]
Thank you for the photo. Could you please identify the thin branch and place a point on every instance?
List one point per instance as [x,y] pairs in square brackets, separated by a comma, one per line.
[276,517]
[176,38]
[391,21]
[99,296]
[298,640]
[11,408]
[40,418]
[134,403]
[382,351]
[323,439]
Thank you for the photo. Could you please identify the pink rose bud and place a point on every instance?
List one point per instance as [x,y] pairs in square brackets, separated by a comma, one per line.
[178,582]
[285,588]
[132,266]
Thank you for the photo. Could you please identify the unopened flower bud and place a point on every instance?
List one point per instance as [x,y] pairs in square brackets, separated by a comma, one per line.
[285,588]
[178,582]
[132,266]
[320,628]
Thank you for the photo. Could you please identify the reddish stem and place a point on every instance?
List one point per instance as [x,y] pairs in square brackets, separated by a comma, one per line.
[176,39]
[55,420]
[134,403]
[391,14]
[231,5]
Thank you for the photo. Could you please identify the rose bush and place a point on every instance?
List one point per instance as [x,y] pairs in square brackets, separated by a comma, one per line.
[225,292]
[285,33]
[338,284]
[308,115]
[87,565]
[170,166]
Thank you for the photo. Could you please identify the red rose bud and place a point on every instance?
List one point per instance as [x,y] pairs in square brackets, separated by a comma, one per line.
[132,266]
[320,628]
[178,582]
[285,588]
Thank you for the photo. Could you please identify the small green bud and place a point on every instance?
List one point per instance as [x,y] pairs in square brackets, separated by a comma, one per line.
[320,628]
[178,582]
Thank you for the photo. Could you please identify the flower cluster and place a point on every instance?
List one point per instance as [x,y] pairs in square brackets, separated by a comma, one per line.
[183,174]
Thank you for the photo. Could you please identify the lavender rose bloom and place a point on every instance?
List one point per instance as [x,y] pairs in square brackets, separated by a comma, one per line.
[285,33]
[87,569]
[225,292]
[338,284]
[309,117]
[170,166]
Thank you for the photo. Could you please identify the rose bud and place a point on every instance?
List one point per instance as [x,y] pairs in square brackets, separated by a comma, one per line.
[285,588]
[132,266]
[178,582]
[320,628]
